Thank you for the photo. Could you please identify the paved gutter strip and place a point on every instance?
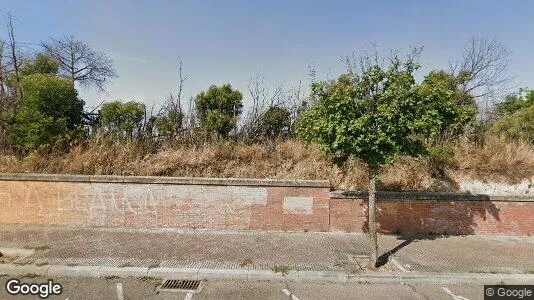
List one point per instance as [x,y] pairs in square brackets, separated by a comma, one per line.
[123,272]
[294,276]
[73,271]
[166,273]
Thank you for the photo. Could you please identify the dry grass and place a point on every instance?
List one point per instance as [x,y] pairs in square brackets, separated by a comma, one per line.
[497,160]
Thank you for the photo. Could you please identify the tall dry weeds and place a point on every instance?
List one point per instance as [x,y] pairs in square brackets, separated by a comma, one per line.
[496,160]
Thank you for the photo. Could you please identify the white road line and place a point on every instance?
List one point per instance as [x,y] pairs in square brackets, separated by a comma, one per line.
[398,264]
[287,292]
[455,297]
[188,296]
[120,295]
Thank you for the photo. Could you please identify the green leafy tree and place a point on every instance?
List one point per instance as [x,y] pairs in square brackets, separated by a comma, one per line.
[218,109]
[121,120]
[50,111]
[513,103]
[457,107]
[374,115]
[170,124]
[519,125]
[219,123]
[275,122]
[42,64]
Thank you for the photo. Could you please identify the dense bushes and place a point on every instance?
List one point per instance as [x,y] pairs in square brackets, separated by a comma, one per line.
[218,109]
[49,112]
[122,120]
[518,126]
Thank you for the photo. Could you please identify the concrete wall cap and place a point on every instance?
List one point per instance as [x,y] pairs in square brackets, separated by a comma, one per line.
[430,196]
[163,180]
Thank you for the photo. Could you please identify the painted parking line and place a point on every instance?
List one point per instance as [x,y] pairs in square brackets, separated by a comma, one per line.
[455,297]
[287,292]
[120,294]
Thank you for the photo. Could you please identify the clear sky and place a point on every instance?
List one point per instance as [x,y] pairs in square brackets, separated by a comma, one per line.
[230,41]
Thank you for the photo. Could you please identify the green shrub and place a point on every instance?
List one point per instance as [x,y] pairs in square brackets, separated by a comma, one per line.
[170,124]
[50,111]
[513,103]
[219,123]
[122,119]
[518,126]
[274,122]
[218,109]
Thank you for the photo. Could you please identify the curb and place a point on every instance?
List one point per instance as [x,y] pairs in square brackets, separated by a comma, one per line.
[242,274]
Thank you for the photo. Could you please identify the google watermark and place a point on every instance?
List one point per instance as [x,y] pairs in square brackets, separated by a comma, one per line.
[509,292]
[44,290]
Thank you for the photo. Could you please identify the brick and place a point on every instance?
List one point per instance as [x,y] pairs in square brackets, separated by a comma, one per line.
[181,204]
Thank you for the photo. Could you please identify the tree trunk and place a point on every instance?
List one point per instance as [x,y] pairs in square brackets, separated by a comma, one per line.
[14,59]
[373,257]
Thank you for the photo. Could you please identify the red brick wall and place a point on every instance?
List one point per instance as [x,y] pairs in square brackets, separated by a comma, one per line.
[152,202]
[101,204]
[436,216]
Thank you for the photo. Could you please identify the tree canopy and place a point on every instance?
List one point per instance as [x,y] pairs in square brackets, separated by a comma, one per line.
[374,116]
[218,108]
[122,119]
[379,114]
[513,103]
[50,111]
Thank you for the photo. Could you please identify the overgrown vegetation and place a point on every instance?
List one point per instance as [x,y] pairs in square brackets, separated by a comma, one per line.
[496,160]
[44,126]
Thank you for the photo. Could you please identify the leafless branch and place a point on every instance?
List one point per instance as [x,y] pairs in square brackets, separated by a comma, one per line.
[80,63]
[14,55]
[485,61]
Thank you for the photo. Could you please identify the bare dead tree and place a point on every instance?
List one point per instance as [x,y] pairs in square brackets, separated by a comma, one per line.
[13,49]
[177,106]
[485,63]
[172,109]
[312,73]
[191,116]
[2,74]
[295,102]
[80,63]
[263,99]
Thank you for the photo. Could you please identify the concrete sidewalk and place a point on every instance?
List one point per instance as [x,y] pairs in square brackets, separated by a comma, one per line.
[202,254]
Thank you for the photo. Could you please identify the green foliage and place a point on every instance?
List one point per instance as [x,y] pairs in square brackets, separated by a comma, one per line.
[439,157]
[122,119]
[219,123]
[283,270]
[456,108]
[170,124]
[519,125]
[513,103]
[275,122]
[377,115]
[49,112]
[218,109]
[42,64]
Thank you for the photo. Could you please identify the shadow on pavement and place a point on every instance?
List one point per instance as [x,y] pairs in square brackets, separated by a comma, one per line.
[427,216]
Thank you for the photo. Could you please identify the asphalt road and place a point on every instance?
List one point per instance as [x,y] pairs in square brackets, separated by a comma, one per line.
[140,288]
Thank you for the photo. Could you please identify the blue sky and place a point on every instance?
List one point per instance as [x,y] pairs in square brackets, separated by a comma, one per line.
[232,41]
